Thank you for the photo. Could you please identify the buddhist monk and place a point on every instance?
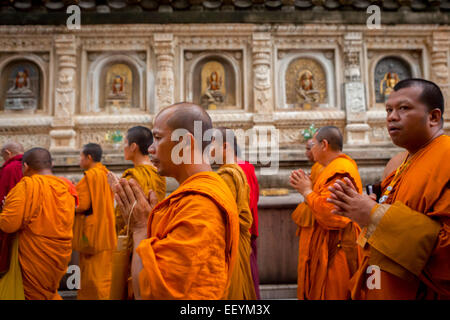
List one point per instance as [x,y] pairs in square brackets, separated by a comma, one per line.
[252,181]
[95,223]
[241,286]
[136,144]
[316,167]
[11,171]
[328,254]
[40,208]
[186,244]
[10,175]
[406,235]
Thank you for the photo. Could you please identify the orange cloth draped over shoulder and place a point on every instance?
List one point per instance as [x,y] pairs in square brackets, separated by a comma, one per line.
[241,285]
[411,242]
[316,169]
[41,208]
[96,208]
[148,179]
[192,244]
[328,254]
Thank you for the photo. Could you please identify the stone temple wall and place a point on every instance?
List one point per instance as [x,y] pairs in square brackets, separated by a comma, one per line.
[61,89]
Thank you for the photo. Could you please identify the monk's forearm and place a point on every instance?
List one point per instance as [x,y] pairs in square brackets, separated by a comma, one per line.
[405,236]
[136,262]
[321,210]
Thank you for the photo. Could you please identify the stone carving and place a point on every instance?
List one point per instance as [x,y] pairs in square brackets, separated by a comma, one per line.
[23,83]
[65,94]
[118,88]
[388,72]
[305,84]
[165,85]
[213,90]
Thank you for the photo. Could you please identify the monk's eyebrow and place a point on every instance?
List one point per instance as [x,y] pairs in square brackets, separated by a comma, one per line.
[405,101]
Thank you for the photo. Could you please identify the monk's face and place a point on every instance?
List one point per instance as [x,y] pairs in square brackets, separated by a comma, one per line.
[409,122]
[318,149]
[127,150]
[308,152]
[161,149]
[85,161]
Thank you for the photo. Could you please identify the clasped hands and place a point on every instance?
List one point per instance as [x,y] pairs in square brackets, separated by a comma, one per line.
[131,200]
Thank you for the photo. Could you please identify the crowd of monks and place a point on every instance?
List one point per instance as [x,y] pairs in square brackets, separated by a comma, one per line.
[199,242]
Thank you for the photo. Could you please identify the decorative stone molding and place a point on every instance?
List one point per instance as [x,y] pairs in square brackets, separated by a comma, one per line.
[163,45]
[440,57]
[62,134]
[262,86]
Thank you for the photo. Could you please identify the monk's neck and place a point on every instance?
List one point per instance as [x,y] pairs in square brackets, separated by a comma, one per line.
[330,157]
[414,150]
[141,160]
[44,172]
[187,171]
[92,165]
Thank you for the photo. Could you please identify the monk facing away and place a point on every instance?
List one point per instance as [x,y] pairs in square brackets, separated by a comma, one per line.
[94,226]
[406,235]
[40,208]
[328,254]
[241,286]
[187,244]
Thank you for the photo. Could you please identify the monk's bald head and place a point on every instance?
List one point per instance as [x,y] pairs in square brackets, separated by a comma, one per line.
[184,115]
[38,159]
[331,134]
[11,149]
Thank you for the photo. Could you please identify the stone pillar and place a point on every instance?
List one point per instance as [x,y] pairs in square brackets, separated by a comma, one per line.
[165,85]
[357,129]
[266,142]
[62,133]
[440,74]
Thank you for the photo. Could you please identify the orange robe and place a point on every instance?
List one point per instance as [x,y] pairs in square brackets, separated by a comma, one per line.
[41,208]
[328,254]
[241,285]
[409,237]
[148,179]
[192,243]
[316,169]
[96,213]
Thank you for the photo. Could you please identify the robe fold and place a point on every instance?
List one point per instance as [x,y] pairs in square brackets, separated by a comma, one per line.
[10,175]
[192,244]
[241,286]
[252,181]
[96,211]
[411,242]
[148,179]
[41,208]
[328,254]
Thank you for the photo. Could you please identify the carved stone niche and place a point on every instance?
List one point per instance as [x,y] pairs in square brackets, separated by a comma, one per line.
[386,69]
[117,84]
[306,80]
[22,85]
[214,80]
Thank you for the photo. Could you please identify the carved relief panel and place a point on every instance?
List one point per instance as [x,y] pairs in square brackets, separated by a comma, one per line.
[214,80]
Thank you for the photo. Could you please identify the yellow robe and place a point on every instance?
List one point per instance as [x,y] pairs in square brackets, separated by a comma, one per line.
[192,243]
[328,254]
[41,209]
[149,179]
[241,286]
[316,169]
[96,199]
[410,241]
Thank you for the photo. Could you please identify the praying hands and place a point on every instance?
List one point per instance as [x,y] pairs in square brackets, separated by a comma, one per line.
[349,203]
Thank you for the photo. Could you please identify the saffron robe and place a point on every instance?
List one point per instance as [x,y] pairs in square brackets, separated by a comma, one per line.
[148,179]
[10,175]
[410,242]
[192,243]
[96,199]
[241,286]
[328,253]
[41,208]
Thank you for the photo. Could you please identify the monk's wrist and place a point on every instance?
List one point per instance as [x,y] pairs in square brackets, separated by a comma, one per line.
[306,193]
[139,234]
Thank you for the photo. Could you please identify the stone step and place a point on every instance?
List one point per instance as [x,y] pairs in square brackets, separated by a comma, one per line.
[278,291]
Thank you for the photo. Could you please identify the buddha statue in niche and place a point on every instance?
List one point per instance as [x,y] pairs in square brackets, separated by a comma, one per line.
[388,83]
[306,88]
[23,83]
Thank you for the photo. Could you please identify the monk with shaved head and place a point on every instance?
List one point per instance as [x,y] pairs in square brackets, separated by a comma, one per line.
[328,254]
[40,211]
[186,245]
[11,171]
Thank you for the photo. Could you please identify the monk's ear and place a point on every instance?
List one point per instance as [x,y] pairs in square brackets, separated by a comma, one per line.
[435,117]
